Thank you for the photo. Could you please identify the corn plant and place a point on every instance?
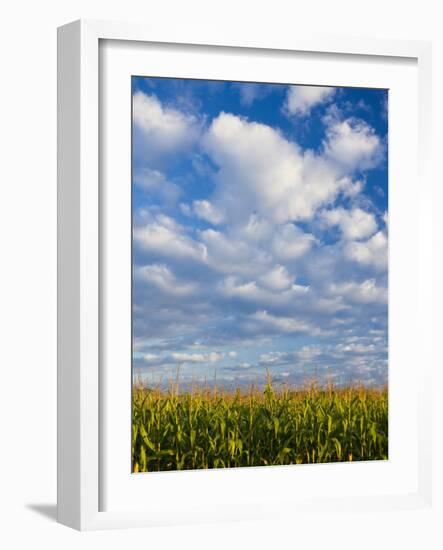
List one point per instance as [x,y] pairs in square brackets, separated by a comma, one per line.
[212,428]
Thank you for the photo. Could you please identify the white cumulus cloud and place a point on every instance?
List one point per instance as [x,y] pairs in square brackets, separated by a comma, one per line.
[291,242]
[163,130]
[261,172]
[164,236]
[205,210]
[301,99]
[156,183]
[366,292]
[162,277]
[352,144]
[278,278]
[354,224]
[283,324]
[250,291]
[372,252]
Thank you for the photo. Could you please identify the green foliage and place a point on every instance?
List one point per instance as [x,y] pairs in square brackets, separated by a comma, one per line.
[214,429]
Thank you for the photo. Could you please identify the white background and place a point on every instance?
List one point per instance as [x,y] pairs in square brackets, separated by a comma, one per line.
[28,274]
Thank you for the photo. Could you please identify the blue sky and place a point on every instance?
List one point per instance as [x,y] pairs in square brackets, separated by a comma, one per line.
[259,232]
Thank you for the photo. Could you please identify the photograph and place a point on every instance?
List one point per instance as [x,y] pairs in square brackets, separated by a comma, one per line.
[259,274]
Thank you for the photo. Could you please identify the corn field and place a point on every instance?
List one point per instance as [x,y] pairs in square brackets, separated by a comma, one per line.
[215,429]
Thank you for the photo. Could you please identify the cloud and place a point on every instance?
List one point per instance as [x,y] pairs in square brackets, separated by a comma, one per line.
[165,360]
[157,185]
[354,224]
[150,357]
[291,242]
[353,358]
[352,144]
[161,130]
[373,252]
[308,353]
[250,291]
[354,347]
[212,357]
[256,229]
[272,358]
[163,279]
[162,235]
[228,254]
[365,293]
[261,172]
[250,92]
[278,278]
[300,100]
[205,210]
[232,287]
[281,324]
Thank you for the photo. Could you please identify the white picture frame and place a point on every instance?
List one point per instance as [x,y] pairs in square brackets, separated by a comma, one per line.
[80,395]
